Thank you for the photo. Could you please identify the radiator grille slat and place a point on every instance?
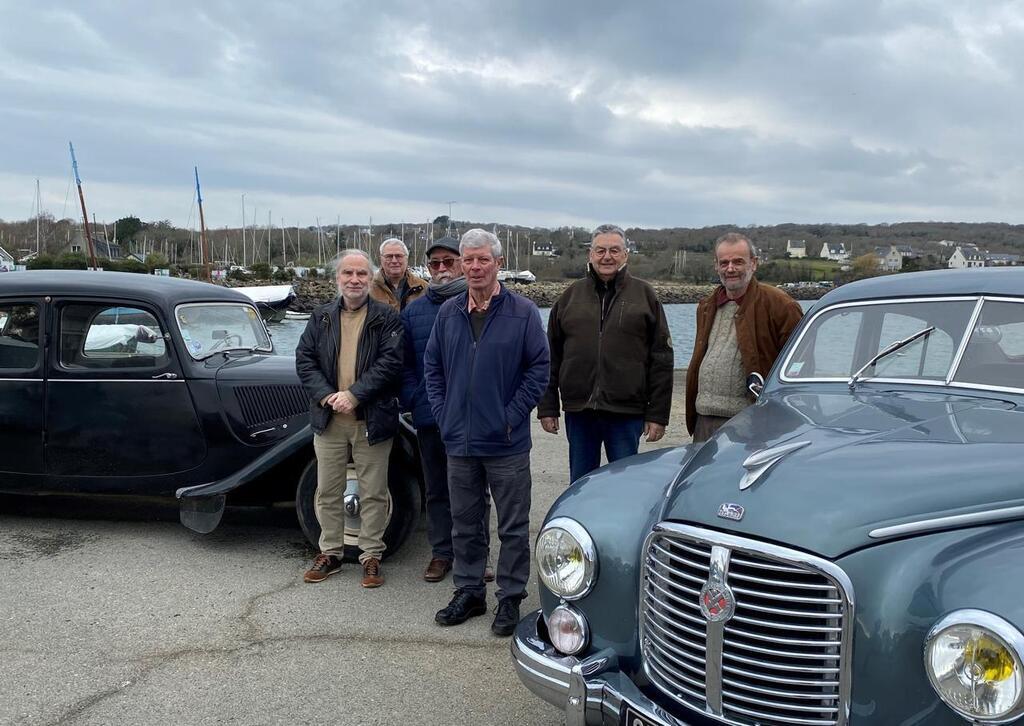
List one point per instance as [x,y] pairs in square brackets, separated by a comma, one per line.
[267,404]
[782,653]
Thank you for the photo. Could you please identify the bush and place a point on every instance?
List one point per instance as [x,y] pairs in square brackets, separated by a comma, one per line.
[73,261]
[41,262]
[238,275]
[260,270]
[286,274]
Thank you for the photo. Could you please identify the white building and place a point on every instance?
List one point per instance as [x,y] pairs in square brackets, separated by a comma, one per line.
[796,248]
[543,249]
[965,257]
[835,251]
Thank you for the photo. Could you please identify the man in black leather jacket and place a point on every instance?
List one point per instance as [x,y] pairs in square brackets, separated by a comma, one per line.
[349,359]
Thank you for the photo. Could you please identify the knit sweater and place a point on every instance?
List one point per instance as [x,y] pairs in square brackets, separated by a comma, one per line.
[721,388]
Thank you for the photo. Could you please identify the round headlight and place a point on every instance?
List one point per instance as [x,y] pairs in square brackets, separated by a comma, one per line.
[973,660]
[567,629]
[566,558]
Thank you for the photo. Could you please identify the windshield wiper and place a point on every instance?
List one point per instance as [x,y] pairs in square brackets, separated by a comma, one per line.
[891,348]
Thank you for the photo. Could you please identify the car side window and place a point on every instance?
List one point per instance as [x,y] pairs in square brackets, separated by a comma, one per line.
[19,336]
[105,337]
[995,352]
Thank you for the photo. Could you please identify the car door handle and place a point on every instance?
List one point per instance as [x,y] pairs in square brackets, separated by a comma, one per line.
[166,376]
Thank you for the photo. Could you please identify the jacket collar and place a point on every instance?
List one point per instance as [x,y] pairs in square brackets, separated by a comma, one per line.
[748,297]
[617,282]
[374,309]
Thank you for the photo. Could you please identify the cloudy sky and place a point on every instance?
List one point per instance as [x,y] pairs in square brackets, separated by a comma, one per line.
[675,113]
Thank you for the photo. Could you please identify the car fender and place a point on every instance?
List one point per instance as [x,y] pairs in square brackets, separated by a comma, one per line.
[618,504]
[902,588]
[202,505]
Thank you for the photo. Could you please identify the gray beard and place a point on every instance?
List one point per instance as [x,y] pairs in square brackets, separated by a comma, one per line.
[450,288]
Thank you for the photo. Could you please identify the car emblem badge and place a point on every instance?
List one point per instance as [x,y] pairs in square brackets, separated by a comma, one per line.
[728,510]
[717,603]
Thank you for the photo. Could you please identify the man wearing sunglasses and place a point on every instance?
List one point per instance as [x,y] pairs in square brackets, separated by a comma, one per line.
[611,359]
[446,280]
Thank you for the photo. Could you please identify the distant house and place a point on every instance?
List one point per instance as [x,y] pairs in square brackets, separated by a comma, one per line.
[1001,260]
[6,260]
[543,249]
[835,251]
[891,258]
[104,250]
[796,248]
[137,256]
[965,257]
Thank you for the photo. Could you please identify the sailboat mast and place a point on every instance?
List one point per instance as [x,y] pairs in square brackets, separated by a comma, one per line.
[243,230]
[85,215]
[39,212]
[202,229]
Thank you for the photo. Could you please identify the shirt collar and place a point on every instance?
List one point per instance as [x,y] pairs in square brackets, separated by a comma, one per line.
[722,297]
[473,307]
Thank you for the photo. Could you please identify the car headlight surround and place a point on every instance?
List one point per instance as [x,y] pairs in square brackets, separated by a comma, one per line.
[566,558]
[975,662]
[568,629]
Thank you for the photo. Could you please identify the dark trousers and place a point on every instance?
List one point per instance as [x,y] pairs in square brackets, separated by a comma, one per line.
[587,431]
[705,427]
[439,508]
[509,480]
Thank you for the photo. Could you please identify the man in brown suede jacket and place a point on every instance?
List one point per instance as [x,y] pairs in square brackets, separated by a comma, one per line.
[741,327]
[611,359]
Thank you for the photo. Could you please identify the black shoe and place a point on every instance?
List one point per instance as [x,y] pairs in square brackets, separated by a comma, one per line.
[464,605]
[506,616]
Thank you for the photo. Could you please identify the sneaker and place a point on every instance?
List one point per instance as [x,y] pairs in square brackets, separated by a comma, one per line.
[372,576]
[464,605]
[323,567]
[488,574]
[506,616]
[437,569]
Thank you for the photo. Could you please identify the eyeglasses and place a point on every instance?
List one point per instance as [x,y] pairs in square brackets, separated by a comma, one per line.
[602,251]
[396,256]
[448,262]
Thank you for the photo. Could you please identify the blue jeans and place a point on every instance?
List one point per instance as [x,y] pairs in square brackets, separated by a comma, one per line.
[588,430]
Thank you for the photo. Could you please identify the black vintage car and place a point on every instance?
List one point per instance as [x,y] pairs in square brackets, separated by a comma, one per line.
[123,384]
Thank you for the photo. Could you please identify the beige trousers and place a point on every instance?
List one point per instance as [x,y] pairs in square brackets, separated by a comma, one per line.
[344,440]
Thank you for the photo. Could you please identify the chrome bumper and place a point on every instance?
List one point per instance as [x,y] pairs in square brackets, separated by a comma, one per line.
[590,691]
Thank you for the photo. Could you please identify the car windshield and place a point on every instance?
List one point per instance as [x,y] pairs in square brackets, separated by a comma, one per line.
[209,328]
[840,341]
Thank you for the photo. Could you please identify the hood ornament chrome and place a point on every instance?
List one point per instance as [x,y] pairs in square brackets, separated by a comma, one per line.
[761,461]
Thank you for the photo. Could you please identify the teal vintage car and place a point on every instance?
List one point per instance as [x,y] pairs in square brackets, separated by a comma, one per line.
[848,550]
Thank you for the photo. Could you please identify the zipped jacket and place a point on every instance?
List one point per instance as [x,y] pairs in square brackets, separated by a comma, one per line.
[417,321]
[381,292]
[378,366]
[481,391]
[612,354]
[764,321]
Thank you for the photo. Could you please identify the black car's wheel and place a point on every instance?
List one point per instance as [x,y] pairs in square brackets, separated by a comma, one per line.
[403,506]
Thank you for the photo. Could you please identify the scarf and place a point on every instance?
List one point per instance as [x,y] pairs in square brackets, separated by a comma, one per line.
[449,289]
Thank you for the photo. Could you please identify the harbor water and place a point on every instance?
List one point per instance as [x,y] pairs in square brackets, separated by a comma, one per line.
[681,322]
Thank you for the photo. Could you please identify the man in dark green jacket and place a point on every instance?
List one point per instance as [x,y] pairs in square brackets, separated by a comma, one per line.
[611,359]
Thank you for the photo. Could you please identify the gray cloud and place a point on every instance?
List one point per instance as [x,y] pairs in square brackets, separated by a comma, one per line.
[534,113]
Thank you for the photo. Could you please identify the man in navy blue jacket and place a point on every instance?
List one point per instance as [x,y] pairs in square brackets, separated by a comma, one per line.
[486,366]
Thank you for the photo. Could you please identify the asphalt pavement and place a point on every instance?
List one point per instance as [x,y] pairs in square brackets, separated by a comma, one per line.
[119,615]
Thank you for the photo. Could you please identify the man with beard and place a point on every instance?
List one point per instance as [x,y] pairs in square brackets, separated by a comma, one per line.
[741,327]
[446,281]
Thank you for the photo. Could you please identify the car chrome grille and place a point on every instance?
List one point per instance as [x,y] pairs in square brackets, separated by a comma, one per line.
[780,658]
[261,405]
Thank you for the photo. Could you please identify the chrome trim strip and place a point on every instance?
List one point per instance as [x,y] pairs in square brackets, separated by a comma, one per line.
[22,380]
[968,334]
[989,516]
[115,380]
[718,571]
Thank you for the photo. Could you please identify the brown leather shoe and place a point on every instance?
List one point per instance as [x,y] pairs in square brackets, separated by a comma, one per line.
[437,569]
[323,567]
[488,574]
[372,576]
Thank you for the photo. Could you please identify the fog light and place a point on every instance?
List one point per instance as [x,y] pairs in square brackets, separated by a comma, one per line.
[568,630]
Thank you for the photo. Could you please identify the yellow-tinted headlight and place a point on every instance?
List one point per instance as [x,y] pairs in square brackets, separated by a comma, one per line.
[566,558]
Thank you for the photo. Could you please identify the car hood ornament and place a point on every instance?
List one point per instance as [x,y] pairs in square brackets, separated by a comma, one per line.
[729,510]
[761,461]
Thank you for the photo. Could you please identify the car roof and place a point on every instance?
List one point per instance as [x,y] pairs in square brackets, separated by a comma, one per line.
[155,289]
[1006,281]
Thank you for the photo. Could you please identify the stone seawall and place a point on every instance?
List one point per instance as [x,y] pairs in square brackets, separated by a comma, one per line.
[316,292]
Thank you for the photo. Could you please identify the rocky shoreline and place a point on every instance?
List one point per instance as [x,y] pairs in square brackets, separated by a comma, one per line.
[311,293]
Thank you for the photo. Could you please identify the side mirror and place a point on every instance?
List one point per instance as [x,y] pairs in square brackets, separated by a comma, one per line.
[755,384]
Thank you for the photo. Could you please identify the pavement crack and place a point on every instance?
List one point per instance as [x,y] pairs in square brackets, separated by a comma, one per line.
[248,617]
